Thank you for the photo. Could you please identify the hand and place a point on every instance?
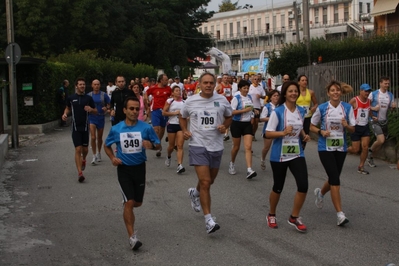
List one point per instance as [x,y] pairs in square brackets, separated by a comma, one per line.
[112,113]
[288,130]
[344,122]
[147,144]
[64,117]
[104,109]
[116,161]
[187,134]
[88,108]
[222,129]
[306,138]
[375,108]
[325,133]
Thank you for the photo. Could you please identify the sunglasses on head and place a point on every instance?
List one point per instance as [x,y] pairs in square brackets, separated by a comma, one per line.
[134,108]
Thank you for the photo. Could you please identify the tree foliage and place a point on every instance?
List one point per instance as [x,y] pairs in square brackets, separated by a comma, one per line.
[156,32]
[227,5]
[293,56]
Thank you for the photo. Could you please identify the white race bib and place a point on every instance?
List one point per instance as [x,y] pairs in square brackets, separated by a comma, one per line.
[131,142]
[207,120]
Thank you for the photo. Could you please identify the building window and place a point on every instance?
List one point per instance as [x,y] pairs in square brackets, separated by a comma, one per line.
[360,7]
[212,30]
[259,26]
[267,28]
[335,13]
[231,29]
[218,34]
[274,23]
[368,7]
[324,15]
[290,23]
[238,27]
[205,30]
[224,30]
[316,15]
[282,20]
[200,30]
[346,12]
[252,29]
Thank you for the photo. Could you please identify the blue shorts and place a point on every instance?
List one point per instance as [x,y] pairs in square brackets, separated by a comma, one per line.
[98,121]
[157,119]
[200,156]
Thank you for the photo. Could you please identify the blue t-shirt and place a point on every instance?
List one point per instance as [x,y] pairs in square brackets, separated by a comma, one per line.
[100,103]
[129,141]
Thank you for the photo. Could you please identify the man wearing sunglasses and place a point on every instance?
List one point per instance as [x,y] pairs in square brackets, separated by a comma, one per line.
[132,137]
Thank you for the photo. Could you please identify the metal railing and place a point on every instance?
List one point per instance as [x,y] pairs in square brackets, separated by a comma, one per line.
[353,72]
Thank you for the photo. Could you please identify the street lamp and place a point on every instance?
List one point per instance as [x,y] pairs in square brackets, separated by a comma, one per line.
[248,7]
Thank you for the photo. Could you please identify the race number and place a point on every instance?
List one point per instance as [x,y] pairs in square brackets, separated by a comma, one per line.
[131,142]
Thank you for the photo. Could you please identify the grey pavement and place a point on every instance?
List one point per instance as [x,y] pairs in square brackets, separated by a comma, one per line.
[48,218]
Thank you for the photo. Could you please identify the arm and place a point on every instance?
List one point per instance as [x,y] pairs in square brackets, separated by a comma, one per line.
[183,124]
[165,110]
[314,101]
[66,113]
[110,153]
[226,124]
[279,134]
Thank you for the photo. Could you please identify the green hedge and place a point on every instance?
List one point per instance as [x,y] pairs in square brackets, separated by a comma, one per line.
[47,79]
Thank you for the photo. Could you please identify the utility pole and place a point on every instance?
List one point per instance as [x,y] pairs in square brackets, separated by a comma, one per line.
[298,39]
[11,75]
[306,30]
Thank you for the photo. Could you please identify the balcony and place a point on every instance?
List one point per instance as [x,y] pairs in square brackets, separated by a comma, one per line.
[320,3]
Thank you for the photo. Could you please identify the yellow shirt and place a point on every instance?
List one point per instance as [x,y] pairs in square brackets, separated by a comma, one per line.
[305,102]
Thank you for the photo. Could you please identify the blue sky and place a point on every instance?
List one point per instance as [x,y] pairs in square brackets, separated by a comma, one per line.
[214,4]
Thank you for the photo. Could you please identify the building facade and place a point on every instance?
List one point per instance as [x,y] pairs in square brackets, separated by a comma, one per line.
[245,33]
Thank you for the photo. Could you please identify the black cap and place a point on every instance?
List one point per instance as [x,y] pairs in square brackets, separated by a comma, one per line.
[177,77]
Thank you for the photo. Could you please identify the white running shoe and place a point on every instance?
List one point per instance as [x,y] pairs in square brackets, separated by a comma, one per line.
[232,169]
[94,161]
[180,169]
[211,226]
[195,201]
[251,174]
[98,157]
[341,219]
[262,165]
[167,162]
[319,198]
[134,242]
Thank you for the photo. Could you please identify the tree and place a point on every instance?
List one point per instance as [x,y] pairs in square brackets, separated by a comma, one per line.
[137,31]
[227,5]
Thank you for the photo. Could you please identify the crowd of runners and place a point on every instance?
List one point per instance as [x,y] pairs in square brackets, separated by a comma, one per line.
[206,112]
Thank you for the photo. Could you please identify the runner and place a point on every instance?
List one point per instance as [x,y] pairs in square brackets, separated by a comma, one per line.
[242,126]
[273,98]
[175,135]
[210,116]
[307,100]
[97,121]
[257,93]
[381,101]
[361,136]
[80,105]
[285,126]
[335,118]
[132,137]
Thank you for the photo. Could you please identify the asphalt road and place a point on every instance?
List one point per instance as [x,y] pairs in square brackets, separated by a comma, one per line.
[48,218]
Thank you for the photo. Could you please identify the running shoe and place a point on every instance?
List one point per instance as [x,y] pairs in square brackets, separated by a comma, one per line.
[319,198]
[81,178]
[83,165]
[98,156]
[167,161]
[158,154]
[262,165]
[297,222]
[180,169]
[271,221]
[341,219]
[134,242]
[370,162]
[195,201]
[232,169]
[211,226]
[361,170]
[94,161]
[251,174]
[226,137]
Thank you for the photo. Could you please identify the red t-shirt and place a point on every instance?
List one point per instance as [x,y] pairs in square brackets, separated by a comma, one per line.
[226,89]
[159,95]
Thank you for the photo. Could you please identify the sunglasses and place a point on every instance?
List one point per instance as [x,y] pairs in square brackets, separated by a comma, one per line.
[134,108]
